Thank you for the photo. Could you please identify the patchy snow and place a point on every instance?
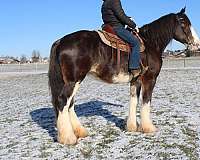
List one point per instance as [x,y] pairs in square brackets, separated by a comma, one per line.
[27,119]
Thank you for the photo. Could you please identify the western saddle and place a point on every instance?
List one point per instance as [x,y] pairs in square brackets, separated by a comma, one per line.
[109,37]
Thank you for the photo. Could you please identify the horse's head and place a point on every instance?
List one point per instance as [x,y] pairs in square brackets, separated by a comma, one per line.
[184,32]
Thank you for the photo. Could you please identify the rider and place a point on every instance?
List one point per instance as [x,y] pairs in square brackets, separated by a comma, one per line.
[113,15]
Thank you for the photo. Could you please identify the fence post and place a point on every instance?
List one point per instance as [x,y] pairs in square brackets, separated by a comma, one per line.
[184,63]
[36,67]
[20,70]
[167,63]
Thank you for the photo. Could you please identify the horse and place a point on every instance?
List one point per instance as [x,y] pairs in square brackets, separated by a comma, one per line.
[80,53]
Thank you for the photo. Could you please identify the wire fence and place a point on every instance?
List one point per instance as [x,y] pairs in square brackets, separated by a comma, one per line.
[181,63]
[33,67]
[168,63]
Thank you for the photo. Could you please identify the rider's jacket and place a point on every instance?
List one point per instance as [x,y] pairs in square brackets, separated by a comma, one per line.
[113,14]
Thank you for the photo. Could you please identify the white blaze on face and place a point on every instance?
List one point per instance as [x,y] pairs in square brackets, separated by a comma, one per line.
[195,36]
[196,43]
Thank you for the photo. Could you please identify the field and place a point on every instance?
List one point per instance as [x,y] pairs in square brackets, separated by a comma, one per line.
[27,118]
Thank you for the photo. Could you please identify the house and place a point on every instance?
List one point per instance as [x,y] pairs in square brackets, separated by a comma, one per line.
[8,60]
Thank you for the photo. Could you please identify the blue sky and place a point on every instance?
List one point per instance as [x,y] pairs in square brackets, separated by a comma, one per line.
[26,25]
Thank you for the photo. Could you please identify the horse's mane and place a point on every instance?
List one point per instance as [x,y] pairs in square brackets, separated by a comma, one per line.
[159,32]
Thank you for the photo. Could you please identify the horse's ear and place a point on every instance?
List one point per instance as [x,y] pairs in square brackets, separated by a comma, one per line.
[183,10]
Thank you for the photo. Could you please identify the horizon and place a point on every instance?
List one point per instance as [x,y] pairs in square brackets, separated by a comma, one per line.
[28,26]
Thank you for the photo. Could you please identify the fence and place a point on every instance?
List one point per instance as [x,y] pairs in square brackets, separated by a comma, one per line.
[33,67]
[168,63]
[181,63]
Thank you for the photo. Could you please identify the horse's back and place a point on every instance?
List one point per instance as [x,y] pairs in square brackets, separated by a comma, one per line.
[80,41]
[81,36]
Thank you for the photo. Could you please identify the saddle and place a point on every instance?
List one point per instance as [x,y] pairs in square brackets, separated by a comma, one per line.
[109,37]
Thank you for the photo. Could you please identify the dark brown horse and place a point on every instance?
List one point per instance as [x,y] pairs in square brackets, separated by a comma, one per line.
[77,54]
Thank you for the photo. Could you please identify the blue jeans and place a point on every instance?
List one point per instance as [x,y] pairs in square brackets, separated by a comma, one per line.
[134,59]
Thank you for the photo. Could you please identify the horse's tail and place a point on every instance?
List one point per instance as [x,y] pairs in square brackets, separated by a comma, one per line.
[56,82]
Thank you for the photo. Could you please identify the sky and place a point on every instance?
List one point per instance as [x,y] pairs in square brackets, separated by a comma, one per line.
[27,25]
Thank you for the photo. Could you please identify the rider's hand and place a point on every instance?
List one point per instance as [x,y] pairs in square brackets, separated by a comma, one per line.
[137,29]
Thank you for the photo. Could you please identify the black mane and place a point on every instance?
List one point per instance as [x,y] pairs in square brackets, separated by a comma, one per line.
[159,32]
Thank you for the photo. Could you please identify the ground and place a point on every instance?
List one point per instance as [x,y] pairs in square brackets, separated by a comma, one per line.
[27,119]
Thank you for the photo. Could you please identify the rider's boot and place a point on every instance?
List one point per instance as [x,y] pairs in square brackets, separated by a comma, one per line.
[139,72]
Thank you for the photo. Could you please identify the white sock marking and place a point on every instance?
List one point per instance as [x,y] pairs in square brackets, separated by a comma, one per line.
[74,119]
[65,130]
[145,114]
[133,108]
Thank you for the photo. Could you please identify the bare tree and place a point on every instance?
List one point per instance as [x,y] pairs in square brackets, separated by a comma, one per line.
[23,59]
[35,56]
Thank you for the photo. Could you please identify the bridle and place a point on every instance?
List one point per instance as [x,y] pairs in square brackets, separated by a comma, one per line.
[180,20]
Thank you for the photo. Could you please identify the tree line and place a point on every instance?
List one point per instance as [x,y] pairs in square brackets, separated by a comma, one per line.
[35,57]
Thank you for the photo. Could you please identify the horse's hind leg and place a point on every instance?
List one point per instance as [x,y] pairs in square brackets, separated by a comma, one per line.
[146,125]
[65,130]
[79,130]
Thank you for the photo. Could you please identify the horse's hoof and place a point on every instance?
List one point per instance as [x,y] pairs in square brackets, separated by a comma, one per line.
[70,140]
[131,127]
[81,132]
[150,128]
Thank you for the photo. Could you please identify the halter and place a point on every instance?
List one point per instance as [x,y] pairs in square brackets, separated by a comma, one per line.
[179,19]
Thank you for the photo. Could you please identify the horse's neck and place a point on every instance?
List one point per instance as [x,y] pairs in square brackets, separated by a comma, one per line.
[162,47]
[158,34]
[161,41]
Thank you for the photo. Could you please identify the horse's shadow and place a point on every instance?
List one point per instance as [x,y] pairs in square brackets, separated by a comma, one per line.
[45,117]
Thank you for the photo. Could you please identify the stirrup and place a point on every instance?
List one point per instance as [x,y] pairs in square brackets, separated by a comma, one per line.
[144,69]
[136,74]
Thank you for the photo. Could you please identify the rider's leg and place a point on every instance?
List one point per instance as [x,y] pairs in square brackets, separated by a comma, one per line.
[134,60]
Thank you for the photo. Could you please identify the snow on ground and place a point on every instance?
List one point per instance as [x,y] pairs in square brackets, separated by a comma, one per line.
[27,119]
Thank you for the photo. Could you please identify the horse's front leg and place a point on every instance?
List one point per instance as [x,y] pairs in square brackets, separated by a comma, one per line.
[146,125]
[132,121]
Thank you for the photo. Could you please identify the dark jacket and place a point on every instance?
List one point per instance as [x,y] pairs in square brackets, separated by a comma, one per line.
[113,14]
